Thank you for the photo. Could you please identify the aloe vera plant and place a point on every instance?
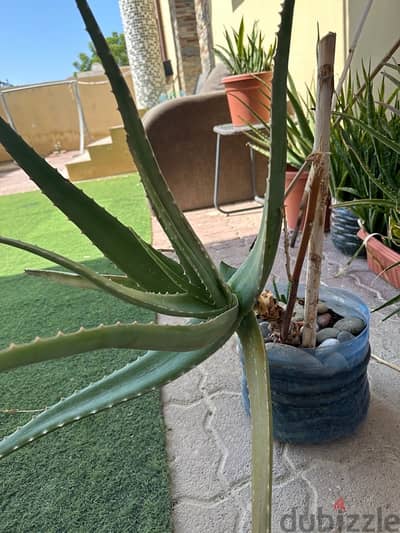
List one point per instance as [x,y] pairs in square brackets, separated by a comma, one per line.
[216,302]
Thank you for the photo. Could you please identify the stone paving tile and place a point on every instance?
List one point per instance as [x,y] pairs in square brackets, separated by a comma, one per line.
[222,516]
[216,381]
[194,453]
[234,467]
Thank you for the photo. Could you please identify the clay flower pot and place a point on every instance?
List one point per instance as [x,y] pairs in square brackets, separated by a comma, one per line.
[379,257]
[248,97]
[293,199]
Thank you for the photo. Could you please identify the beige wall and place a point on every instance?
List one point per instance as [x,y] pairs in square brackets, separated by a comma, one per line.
[46,116]
[380,32]
[340,16]
[327,13]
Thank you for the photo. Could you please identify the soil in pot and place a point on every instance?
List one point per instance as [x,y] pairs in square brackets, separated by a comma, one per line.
[321,394]
[248,97]
[379,257]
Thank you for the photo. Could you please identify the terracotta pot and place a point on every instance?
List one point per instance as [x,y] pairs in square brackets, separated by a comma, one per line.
[293,200]
[247,93]
[379,257]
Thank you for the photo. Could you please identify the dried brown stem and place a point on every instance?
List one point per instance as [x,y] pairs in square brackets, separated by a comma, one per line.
[326,57]
[310,213]
[286,247]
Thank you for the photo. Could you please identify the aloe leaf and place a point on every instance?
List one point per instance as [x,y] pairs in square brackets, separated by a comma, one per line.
[390,143]
[178,304]
[195,260]
[117,242]
[149,371]
[257,374]
[75,280]
[377,202]
[190,336]
[226,270]
[250,278]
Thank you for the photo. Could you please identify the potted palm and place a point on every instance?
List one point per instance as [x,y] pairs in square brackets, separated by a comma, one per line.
[250,65]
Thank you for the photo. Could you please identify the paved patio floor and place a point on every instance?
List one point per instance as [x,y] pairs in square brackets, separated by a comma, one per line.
[14,180]
[208,431]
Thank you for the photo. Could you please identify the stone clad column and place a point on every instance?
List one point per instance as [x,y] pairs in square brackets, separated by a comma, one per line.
[144,52]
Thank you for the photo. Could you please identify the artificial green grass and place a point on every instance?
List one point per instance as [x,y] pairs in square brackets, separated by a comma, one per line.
[104,473]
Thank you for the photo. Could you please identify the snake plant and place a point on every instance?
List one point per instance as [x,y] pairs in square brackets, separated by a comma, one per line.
[216,303]
[245,54]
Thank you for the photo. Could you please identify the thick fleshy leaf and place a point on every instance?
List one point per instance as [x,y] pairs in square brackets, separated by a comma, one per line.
[75,280]
[192,255]
[149,371]
[250,278]
[172,304]
[257,374]
[117,242]
[181,338]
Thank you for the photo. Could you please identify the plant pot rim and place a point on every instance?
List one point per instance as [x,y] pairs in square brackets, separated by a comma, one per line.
[232,78]
[376,244]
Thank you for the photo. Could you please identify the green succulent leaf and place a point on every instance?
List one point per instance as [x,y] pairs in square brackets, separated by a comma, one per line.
[251,277]
[117,242]
[75,280]
[178,304]
[184,337]
[257,374]
[149,371]
[195,260]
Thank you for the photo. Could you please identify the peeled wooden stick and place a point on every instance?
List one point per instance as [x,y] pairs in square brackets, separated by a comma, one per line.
[326,58]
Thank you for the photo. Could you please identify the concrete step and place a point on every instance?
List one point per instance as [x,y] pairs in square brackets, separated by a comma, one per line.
[105,157]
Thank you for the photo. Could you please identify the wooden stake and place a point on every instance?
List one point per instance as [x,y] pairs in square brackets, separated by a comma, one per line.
[326,58]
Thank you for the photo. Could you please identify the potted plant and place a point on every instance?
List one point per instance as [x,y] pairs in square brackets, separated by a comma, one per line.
[248,87]
[300,137]
[378,162]
[216,303]
[298,361]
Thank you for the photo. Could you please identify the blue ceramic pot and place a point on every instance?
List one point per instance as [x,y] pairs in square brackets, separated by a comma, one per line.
[320,394]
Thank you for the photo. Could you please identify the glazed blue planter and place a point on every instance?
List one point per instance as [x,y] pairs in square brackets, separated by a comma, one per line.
[320,394]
